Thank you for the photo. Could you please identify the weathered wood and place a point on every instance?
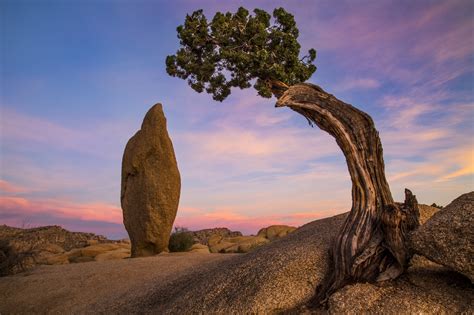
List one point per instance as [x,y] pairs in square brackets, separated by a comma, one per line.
[371,243]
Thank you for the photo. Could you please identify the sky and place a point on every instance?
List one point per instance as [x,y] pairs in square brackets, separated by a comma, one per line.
[77,78]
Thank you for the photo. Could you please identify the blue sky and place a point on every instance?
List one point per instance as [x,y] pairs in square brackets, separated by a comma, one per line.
[77,77]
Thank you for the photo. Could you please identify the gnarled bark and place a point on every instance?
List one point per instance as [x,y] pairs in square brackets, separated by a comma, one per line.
[371,244]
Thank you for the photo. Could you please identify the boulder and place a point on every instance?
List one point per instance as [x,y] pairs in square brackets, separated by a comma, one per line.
[119,253]
[52,248]
[45,252]
[73,254]
[99,252]
[92,242]
[244,244]
[199,248]
[214,240]
[221,247]
[151,186]
[237,244]
[94,250]
[448,236]
[203,236]
[426,288]
[247,246]
[275,231]
[60,259]
[426,212]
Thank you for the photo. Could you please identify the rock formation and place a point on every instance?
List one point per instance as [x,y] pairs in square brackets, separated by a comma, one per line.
[53,245]
[199,248]
[236,244]
[275,231]
[426,288]
[448,237]
[426,212]
[223,240]
[280,276]
[39,237]
[151,186]
[276,277]
[203,236]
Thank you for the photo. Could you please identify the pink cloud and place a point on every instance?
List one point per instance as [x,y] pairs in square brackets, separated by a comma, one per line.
[358,83]
[94,138]
[250,148]
[23,207]
[436,38]
[461,163]
[18,210]
[405,132]
[11,188]
[20,127]
[439,177]
[247,224]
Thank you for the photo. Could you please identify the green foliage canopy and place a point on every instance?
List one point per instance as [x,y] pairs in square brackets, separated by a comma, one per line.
[235,48]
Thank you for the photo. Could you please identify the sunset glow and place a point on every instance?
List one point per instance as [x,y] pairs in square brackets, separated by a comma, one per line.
[78,77]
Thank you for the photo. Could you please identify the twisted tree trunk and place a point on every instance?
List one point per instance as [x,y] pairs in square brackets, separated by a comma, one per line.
[371,244]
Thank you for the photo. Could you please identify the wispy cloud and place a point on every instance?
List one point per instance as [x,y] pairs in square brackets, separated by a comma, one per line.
[358,83]
[11,188]
[22,207]
[99,139]
[426,45]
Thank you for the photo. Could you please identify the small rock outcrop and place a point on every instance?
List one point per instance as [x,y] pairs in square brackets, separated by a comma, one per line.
[203,236]
[53,245]
[275,231]
[236,244]
[448,237]
[223,240]
[151,186]
[46,236]
[199,248]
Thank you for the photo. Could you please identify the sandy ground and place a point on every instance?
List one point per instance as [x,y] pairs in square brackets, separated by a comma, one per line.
[93,286]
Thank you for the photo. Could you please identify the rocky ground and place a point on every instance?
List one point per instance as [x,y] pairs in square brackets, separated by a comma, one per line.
[279,276]
[426,288]
[53,245]
[95,287]
[40,237]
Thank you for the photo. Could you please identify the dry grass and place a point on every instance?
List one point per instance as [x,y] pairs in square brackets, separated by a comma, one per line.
[12,261]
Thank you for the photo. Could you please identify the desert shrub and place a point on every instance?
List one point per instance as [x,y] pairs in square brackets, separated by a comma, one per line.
[12,261]
[181,240]
[437,206]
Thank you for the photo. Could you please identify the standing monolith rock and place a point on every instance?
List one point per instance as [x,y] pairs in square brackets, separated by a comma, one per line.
[151,186]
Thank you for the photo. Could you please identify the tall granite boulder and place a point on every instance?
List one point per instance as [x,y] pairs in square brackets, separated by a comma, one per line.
[151,186]
[448,236]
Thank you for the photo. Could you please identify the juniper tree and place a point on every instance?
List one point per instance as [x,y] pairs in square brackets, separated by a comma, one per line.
[233,50]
